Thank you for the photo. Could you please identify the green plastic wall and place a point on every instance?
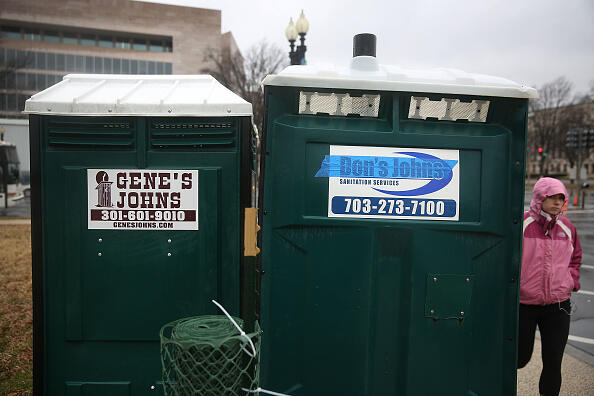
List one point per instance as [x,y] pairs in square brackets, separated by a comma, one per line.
[346,302]
[97,318]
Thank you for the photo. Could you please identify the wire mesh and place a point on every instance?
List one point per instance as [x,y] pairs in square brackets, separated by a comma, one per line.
[338,104]
[448,109]
[206,356]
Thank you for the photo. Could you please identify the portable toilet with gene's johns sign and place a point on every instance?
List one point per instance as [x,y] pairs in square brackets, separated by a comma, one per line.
[392,230]
[139,188]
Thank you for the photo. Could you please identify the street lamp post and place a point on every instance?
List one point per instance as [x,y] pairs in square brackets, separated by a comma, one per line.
[297,55]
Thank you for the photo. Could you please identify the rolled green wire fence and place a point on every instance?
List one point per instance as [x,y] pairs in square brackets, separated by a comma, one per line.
[207,356]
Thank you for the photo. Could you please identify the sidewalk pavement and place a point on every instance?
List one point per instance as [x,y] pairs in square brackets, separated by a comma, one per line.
[577,373]
[14,221]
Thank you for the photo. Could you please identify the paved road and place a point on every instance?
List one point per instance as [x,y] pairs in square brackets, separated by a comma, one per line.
[20,208]
[582,318]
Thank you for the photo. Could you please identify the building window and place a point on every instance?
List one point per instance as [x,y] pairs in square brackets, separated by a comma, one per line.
[156,46]
[32,34]
[40,60]
[70,62]
[11,102]
[9,56]
[11,81]
[98,65]
[24,59]
[116,66]
[105,41]
[89,64]
[69,38]
[107,66]
[139,44]
[51,36]
[123,43]
[125,66]
[45,70]
[21,81]
[60,62]
[51,61]
[21,102]
[88,39]
[31,83]
[79,64]
[142,69]
[40,82]
[10,32]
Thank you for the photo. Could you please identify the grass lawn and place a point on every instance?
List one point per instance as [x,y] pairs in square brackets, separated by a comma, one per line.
[16,311]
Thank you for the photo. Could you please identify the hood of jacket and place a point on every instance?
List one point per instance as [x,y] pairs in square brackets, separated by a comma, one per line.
[545,187]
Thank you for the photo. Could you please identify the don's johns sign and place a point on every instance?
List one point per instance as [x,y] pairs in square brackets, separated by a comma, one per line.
[392,182]
[142,199]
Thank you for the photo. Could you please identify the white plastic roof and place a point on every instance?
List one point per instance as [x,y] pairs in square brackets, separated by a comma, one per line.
[150,95]
[364,72]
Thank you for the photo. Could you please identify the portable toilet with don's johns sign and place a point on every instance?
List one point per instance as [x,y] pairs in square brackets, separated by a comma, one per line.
[139,188]
[391,230]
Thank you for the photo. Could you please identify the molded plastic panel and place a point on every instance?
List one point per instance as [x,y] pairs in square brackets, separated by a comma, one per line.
[106,293]
[346,301]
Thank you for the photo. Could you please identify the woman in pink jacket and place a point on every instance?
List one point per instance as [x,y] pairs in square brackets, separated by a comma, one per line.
[551,258]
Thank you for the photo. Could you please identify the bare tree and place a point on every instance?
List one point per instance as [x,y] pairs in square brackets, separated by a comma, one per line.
[575,117]
[587,97]
[12,64]
[243,75]
[549,120]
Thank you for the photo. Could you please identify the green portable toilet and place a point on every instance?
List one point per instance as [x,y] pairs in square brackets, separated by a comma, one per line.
[139,185]
[392,226]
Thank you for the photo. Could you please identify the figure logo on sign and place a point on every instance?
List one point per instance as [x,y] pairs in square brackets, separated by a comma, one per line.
[103,190]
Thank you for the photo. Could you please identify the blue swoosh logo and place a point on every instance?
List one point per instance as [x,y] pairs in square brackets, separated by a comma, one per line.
[433,186]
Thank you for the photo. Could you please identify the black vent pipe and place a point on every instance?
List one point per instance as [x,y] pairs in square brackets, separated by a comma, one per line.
[364,44]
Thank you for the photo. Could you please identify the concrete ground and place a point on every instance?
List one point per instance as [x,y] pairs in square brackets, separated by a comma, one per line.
[11,221]
[577,373]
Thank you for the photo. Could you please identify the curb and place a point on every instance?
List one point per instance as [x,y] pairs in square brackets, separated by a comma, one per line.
[14,221]
[574,352]
[579,354]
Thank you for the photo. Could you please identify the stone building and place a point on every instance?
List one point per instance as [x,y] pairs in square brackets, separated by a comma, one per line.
[41,41]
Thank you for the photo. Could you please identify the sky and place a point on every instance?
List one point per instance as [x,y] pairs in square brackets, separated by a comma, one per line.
[531,42]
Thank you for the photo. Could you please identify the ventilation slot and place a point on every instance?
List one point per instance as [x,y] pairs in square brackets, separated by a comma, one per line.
[202,136]
[338,104]
[448,109]
[107,135]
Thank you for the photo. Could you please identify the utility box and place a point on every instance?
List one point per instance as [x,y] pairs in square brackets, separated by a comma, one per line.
[139,185]
[392,230]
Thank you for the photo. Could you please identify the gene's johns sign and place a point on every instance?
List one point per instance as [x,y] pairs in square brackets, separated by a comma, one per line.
[142,199]
[392,182]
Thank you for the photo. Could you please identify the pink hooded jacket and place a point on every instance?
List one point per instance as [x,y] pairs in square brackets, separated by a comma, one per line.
[551,254]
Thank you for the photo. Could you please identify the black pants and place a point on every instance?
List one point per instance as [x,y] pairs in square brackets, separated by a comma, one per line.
[553,324]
